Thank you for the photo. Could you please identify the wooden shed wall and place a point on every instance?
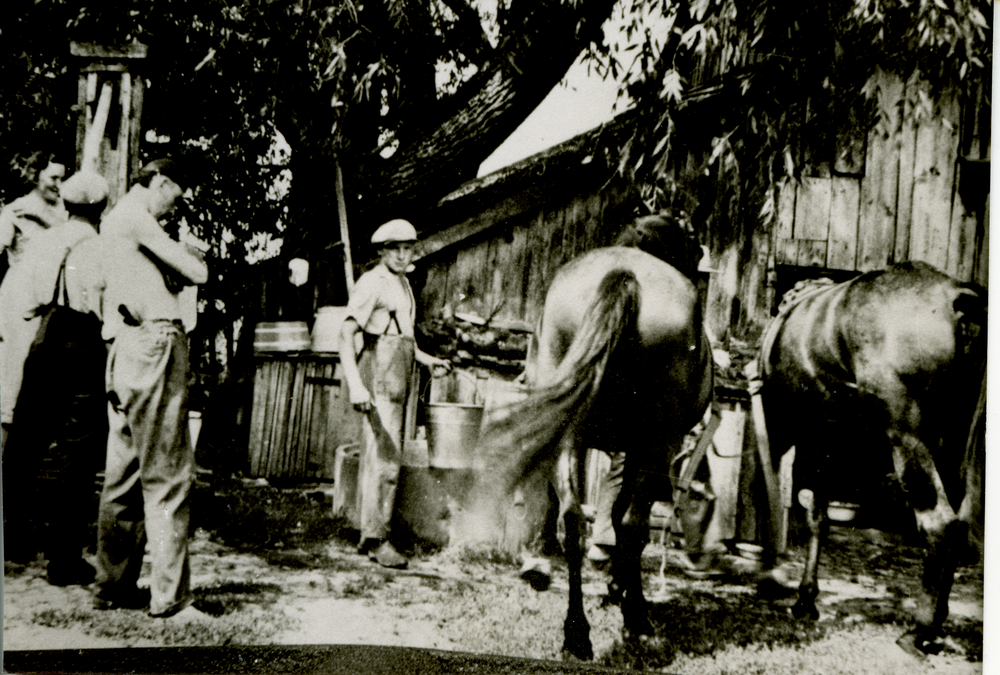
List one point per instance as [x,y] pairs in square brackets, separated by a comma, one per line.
[505,270]
[907,202]
[914,187]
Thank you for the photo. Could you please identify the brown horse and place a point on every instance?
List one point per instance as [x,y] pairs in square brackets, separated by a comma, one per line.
[878,375]
[623,364]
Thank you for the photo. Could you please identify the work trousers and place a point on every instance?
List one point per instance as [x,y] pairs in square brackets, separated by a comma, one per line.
[150,466]
[52,457]
[386,368]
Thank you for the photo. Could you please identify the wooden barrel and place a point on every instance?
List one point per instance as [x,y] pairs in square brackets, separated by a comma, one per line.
[282,336]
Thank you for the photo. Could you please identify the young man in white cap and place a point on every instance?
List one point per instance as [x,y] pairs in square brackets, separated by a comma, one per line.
[62,402]
[150,464]
[382,309]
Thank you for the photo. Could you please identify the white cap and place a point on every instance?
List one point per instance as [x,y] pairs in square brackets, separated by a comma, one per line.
[394,230]
[84,187]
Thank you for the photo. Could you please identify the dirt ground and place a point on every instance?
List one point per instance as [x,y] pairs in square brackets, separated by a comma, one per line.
[310,587]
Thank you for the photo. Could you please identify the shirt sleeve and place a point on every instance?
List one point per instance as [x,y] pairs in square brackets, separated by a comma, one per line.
[171,253]
[363,300]
[6,228]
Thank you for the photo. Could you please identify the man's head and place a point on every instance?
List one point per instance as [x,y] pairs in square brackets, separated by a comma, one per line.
[396,242]
[165,181]
[85,195]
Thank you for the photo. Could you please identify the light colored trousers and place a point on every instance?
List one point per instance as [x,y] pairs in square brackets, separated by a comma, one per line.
[386,368]
[150,466]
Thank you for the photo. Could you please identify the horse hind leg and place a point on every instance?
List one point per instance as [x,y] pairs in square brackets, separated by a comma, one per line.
[946,535]
[630,516]
[569,479]
[815,507]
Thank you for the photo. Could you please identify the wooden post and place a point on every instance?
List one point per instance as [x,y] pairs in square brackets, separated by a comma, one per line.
[113,153]
[345,237]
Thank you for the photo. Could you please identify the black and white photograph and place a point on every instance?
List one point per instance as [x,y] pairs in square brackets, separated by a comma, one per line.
[495,336]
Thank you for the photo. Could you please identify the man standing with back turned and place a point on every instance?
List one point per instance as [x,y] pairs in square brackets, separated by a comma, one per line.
[150,464]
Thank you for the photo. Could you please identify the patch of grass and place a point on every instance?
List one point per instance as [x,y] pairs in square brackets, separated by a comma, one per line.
[365,585]
[487,556]
[132,626]
[698,624]
[261,517]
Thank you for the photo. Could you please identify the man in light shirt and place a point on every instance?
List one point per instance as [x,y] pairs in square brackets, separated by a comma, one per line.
[150,463]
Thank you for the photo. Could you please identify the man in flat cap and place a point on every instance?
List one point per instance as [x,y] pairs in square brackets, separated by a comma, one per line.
[382,309]
[61,401]
[149,465]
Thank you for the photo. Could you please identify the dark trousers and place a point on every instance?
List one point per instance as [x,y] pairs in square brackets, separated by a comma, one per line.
[51,459]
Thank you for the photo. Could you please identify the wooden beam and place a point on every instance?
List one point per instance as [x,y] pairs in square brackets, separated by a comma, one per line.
[508,208]
[345,236]
[92,50]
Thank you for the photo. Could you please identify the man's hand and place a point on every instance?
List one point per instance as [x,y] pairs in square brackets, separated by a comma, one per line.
[361,399]
[439,367]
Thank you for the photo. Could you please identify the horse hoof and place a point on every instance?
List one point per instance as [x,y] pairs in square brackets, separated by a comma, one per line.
[537,572]
[805,611]
[913,645]
[637,630]
[577,654]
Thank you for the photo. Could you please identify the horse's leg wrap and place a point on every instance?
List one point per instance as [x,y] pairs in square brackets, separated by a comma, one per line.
[576,630]
[815,508]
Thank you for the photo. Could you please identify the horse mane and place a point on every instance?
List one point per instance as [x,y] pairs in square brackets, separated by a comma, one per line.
[667,235]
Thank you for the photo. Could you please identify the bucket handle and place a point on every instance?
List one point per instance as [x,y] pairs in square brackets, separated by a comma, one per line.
[424,395]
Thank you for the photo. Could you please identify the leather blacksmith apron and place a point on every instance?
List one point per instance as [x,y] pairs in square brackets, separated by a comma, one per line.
[386,367]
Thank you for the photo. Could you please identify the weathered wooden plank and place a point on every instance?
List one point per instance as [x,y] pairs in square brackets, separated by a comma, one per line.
[81,120]
[787,252]
[537,258]
[981,274]
[962,244]
[907,159]
[516,282]
[880,185]
[592,221]
[524,202]
[785,216]
[434,294]
[849,152]
[812,209]
[934,179]
[257,411]
[135,131]
[812,252]
[303,411]
[122,145]
[276,449]
[841,253]
[133,50]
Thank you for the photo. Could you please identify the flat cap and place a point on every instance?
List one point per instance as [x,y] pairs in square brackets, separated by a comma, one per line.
[394,230]
[85,187]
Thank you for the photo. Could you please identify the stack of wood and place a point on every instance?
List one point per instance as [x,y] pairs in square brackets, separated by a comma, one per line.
[468,340]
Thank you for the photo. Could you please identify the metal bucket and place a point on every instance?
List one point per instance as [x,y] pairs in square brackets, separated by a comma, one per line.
[452,432]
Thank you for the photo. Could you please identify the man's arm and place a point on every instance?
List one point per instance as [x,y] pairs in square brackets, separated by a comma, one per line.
[184,260]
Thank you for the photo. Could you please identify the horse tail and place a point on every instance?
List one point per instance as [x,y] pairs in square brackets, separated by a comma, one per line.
[521,437]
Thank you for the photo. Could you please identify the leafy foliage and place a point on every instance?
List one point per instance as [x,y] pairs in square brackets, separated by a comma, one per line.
[787,74]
